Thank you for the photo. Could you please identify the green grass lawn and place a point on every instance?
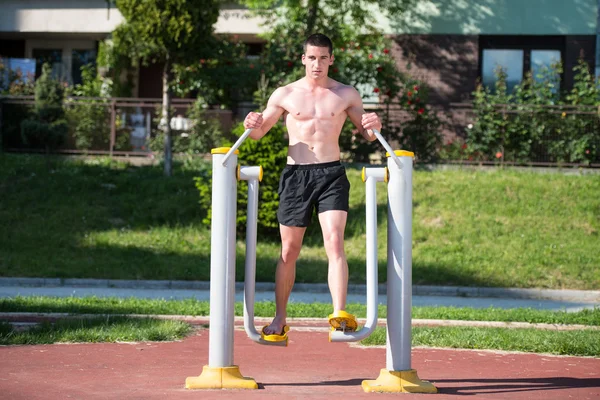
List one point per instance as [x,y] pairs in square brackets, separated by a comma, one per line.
[98,329]
[100,219]
[111,327]
[102,305]
[574,343]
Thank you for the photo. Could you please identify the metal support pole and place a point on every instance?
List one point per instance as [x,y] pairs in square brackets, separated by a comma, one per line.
[399,271]
[113,128]
[398,375]
[370,176]
[220,352]
[253,175]
[220,373]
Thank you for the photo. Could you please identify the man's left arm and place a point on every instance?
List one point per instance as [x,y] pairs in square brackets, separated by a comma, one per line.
[364,122]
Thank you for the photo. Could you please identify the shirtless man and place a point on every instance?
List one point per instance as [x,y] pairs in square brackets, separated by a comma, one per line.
[314,109]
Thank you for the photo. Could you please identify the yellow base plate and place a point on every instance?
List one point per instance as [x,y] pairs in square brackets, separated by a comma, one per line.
[343,321]
[398,382]
[274,337]
[220,378]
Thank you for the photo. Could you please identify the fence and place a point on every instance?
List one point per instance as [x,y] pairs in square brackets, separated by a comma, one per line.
[512,134]
[104,126]
[526,134]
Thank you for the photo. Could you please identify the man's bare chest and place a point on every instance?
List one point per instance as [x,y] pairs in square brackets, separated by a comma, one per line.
[320,106]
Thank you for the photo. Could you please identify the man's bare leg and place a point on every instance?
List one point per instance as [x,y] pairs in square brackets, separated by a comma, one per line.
[291,243]
[333,225]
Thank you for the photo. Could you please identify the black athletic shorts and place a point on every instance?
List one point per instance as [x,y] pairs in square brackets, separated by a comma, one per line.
[304,187]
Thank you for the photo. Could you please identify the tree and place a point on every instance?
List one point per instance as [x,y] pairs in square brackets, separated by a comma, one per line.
[362,52]
[170,32]
[47,127]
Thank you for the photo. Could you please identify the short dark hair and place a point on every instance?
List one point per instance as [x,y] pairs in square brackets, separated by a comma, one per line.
[319,40]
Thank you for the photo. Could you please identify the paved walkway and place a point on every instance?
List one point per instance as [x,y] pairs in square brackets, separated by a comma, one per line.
[568,300]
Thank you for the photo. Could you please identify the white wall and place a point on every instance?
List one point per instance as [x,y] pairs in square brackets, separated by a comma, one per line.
[93,16]
[70,16]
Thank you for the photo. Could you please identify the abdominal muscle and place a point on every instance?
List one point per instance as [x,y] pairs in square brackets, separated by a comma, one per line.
[313,141]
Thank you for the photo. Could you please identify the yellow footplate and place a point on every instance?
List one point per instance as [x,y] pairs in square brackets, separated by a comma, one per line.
[282,337]
[342,321]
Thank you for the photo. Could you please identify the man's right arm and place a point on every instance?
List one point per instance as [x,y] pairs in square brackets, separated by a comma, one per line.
[261,123]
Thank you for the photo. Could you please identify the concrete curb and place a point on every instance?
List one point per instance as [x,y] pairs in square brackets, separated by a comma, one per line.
[585,296]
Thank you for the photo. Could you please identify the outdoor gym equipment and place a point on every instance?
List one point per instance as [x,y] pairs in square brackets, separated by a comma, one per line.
[221,373]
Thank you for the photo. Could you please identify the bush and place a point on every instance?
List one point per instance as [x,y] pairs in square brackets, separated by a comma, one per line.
[90,123]
[204,134]
[47,127]
[270,152]
[421,133]
[536,122]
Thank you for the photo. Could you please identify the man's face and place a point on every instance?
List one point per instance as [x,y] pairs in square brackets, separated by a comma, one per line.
[316,61]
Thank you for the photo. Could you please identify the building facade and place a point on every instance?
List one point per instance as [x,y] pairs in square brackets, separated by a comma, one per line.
[450,44]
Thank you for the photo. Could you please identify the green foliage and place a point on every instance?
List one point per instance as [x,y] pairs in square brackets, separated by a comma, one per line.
[579,135]
[363,59]
[89,120]
[536,121]
[421,132]
[160,30]
[166,31]
[224,78]
[47,127]
[204,134]
[115,69]
[362,54]
[270,152]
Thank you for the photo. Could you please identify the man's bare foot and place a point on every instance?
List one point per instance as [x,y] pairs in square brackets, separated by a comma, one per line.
[276,327]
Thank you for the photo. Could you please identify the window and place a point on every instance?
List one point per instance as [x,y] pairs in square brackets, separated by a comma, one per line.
[52,57]
[541,61]
[518,55]
[511,62]
[66,56]
[79,58]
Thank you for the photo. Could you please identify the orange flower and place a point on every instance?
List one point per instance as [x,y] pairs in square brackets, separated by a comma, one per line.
[421,110]
[376,90]
[498,155]
[385,51]
[370,56]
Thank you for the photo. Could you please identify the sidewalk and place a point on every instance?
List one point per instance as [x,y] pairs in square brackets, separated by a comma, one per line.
[568,300]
